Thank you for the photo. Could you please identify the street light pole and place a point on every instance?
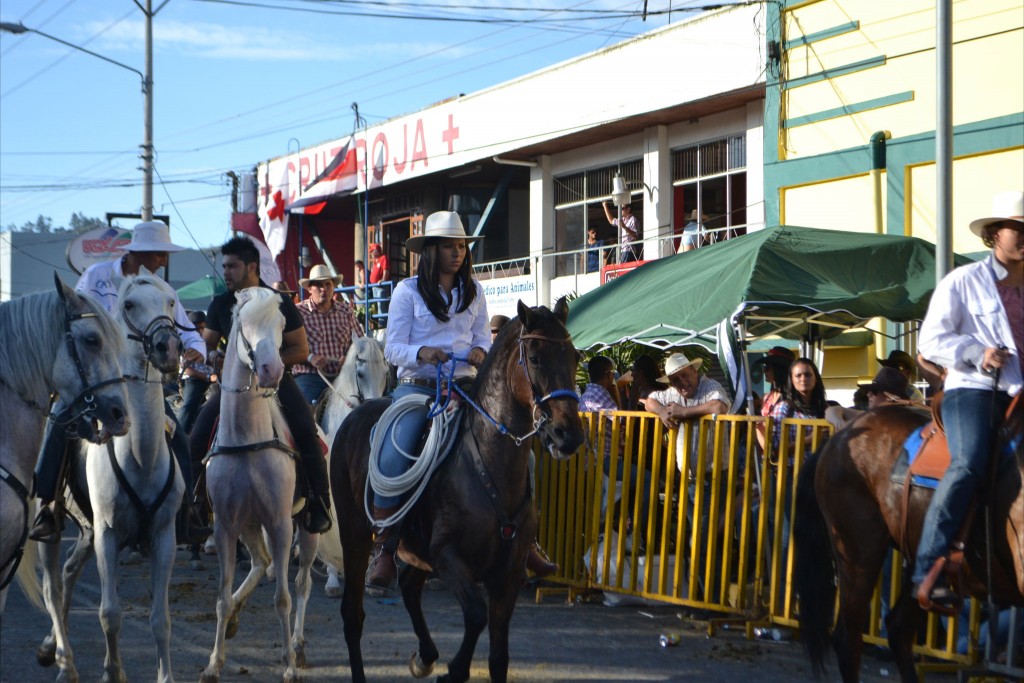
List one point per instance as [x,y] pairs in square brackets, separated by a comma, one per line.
[147,93]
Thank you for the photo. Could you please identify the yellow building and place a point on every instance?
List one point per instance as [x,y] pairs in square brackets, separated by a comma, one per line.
[844,73]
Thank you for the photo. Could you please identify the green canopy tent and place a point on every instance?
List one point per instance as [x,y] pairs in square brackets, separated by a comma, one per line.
[205,287]
[793,282]
[800,283]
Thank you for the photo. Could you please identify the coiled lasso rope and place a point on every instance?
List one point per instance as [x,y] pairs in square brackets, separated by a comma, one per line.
[442,434]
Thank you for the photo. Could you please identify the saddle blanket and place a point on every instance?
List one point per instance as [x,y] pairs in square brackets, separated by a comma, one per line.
[912,449]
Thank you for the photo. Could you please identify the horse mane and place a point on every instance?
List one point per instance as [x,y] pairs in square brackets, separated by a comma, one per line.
[33,328]
[133,281]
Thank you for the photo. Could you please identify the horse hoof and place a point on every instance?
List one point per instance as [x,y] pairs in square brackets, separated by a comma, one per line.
[333,592]
[300,658]
[46,655]
[197,565]
[232,628]
[209,678]
[418,668]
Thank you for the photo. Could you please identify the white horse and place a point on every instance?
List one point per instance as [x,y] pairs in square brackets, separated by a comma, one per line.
[133,488]
[251,475]
[363,376]
[51,343]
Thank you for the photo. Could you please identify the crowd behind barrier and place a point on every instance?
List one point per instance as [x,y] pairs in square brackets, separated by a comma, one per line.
[715,538]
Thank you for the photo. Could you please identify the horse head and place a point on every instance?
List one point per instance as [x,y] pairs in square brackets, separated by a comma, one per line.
[547,381]
[147,307]
[256,334]
[365,363]
[86,372]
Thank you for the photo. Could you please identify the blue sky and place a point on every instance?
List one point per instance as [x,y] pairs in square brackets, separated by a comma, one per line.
[248,80]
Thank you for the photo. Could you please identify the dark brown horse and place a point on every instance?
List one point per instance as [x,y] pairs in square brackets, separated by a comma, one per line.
[845,496]
[471,528]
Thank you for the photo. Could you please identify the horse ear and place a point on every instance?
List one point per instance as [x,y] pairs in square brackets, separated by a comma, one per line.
[66,294]
[562,309]
[524,314]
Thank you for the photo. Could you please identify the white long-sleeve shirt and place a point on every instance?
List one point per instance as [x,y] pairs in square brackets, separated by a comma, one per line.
[102,280]
[411,326]
[965,317]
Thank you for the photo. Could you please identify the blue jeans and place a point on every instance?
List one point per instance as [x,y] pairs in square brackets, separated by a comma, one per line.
[405,436]
[968,416]
[311,384]
[193,393]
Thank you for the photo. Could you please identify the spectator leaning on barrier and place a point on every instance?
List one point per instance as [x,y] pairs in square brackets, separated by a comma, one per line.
[689,396]
[330,326]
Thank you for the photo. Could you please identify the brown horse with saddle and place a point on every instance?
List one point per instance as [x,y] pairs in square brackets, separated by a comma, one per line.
[857,498]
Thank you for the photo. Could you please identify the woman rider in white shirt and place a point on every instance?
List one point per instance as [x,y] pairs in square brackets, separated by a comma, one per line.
[975,329]
[436,315]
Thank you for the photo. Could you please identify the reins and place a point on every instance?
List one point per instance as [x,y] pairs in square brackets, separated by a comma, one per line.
[540,418]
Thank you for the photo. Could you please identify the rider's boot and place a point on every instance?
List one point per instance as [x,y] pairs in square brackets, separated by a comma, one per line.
[316,518]
[188,525]
[538,563]
[49,466]
[382,570]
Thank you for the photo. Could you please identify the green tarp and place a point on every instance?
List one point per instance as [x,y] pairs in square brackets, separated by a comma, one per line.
[205,287]
[788,281]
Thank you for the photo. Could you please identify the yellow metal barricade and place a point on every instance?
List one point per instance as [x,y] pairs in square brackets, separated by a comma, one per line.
[697,517]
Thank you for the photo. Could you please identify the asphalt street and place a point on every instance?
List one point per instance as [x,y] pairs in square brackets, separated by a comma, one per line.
[550,641]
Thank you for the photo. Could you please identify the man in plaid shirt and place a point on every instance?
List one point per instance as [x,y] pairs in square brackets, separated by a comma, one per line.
[330,326]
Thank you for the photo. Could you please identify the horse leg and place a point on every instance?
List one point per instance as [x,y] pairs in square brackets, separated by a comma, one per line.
[303,585]
[502,597]
[356,557]
[280,544]
[53,597]
[79,555]
[474,613]
[225,540]
[856,585]
[901,625]
[110,607]
[252,538]
[422,662]
[161,562]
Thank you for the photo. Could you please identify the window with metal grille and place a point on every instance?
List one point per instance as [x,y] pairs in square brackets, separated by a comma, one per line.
[710,191]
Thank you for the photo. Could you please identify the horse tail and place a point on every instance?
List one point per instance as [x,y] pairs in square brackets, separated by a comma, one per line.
[814,569]
[28,577]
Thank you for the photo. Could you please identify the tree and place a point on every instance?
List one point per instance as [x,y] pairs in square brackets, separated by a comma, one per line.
[81,223]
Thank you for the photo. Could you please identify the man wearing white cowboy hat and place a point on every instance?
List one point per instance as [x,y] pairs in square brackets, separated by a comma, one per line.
[690,396]
[330,327]
[149,248]
[975,329]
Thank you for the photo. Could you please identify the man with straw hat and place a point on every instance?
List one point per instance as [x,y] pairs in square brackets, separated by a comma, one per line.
[330,327]
[975,329]
[149,248]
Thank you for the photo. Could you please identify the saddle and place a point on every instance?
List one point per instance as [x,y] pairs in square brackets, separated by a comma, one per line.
[926,468]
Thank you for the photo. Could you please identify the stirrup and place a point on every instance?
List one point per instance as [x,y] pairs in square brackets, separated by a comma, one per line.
[379,576]
[316,518]
[47,527]
[935,596]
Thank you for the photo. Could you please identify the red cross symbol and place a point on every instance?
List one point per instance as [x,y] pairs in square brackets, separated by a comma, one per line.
[276,212]
[451,134]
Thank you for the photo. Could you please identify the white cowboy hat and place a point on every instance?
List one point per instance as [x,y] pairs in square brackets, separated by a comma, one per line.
[678,362]
[318,273]
[152,236]
[442,224]
[1005,206]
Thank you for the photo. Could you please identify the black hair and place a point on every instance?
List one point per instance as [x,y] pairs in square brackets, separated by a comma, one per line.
[598,367]
[359,262]
[427,283]
[197,317]
[816,406]
[243,248]
[780,370]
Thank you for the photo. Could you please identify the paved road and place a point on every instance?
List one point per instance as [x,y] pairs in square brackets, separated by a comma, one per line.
[553,641]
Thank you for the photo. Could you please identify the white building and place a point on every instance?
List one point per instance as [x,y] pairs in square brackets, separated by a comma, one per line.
[527,163]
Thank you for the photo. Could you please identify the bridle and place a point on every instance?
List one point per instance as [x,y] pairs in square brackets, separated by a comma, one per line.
[540,416]
[84,404]
[146,337]
[250,364]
